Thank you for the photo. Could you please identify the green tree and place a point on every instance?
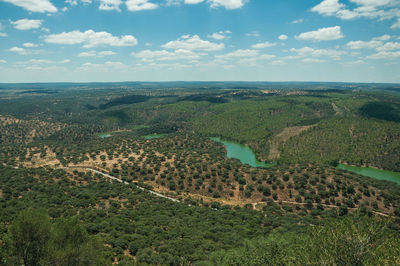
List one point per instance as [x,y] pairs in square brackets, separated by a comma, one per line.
[71,245]
[30,234]
[351,241]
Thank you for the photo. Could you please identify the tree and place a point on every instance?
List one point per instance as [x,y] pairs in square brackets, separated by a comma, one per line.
[30,235]
[71,245]
[343,210]
[351,241]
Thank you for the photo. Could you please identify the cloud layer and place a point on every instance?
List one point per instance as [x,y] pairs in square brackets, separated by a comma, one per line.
[322,34]
[91,39]
[40,6]
[372,9]
[27,24]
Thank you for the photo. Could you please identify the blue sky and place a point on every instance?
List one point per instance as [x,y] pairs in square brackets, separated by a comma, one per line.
[201,40]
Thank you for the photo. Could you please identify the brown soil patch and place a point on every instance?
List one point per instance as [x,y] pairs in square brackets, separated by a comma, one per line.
[49,160]
[336,109]
[282,137]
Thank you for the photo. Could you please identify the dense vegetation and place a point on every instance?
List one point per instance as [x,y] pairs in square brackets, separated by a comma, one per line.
[347,140]
[87,209]
[344,241]
[56,211]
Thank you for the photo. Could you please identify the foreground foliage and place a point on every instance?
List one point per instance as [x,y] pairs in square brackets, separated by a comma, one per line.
[343,241]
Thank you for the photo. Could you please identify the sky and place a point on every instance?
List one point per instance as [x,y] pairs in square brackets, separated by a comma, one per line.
[199,40]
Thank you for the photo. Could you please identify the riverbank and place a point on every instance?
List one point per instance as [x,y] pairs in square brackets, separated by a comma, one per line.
[372,172]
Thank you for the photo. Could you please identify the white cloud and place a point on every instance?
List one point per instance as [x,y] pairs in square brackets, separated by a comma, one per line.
[322,34]
[384,55]
[106,53]
[396,25]
[40,6]
[372,9]
[266,56]
[42,62]
[389,46]
[91,38]
[328,7]
[248,57]
[385,37]
[221,35]
[253,34]
[228,4]
[169,66]
[72,2]
[192,2]
[29,45]
[353,63]
[19,50]
[173,2]
[88,54]
[3,61]
[164,55]
[109,65]
[297,21]
[278,62]
[138,5]
[117,65]
[311,52]
[240,53]
[383,49]
[263,45]
[354,45]
[282,37]
[27,24]
[312,60]
[75,2]
[243,56]
[39,61]
[373,43]
[110,5]
[96,54]
[373,3]
[194,42]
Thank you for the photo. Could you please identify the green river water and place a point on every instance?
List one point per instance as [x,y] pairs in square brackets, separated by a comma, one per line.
[154,136]
[104,135]
[247,156]
[372,172]
[242,152]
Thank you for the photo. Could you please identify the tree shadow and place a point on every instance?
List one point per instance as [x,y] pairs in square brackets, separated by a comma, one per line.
[381,110]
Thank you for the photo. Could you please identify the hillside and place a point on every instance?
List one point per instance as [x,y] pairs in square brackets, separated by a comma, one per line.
[158,141]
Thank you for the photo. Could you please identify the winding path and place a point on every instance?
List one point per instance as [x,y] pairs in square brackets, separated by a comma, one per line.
[315,204]
[175,200]
[124,182]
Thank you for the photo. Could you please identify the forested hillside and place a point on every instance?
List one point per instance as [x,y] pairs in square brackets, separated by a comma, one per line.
[357,141]
[96,176]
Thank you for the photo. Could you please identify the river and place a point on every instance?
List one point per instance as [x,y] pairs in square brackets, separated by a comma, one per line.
[104,135]
[241,152]
[154,136]
[247,156]
[372,172]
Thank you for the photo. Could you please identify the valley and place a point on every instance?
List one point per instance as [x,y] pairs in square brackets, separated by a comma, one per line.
[236,164]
